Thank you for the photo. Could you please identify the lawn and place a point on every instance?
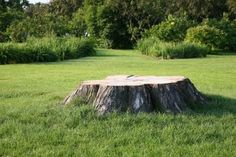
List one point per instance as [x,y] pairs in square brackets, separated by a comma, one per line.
[34,123]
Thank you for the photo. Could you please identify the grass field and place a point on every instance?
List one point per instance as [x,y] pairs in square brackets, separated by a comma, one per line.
[33,123]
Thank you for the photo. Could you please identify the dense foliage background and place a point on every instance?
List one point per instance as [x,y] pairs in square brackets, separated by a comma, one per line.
[116,23]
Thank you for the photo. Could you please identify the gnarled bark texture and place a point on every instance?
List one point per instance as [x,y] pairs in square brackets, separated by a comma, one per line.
[173,94]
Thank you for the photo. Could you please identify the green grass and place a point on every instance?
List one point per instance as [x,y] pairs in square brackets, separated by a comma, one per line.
[33,123]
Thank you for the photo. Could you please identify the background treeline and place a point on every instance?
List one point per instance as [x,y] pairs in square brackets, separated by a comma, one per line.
[118,23]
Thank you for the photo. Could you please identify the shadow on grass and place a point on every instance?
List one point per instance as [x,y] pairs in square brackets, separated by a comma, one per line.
[217,105]
[224,53]
[102,54]
[81,59]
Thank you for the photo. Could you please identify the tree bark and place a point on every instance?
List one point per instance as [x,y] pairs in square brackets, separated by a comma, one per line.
[138,94]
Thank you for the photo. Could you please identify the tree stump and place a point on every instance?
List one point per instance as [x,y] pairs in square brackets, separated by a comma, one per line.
[171,94]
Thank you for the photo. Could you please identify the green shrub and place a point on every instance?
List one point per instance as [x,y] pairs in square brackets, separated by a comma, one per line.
[173,29]
[185,50]
[43,49]
[11,53]
[3,37]
[228,27]
[147,46]
[212,37]
[47,49]
[3,53]
[85,48]
[154,47]
[69,49]
[103,43]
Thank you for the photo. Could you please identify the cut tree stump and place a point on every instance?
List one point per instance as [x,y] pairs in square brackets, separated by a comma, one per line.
[171,94]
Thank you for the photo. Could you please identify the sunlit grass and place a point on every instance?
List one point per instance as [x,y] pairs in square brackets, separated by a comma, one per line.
[33,123]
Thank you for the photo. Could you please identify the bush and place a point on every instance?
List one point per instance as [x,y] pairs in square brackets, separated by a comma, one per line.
[103,43]
[48,49]
[154,47]
[3,37]
[15,53]
[229,29]
[212,37]
[173,29]
[43,49]
[86,48]
[147,46]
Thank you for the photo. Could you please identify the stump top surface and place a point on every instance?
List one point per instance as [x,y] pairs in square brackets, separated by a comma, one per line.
[130,80]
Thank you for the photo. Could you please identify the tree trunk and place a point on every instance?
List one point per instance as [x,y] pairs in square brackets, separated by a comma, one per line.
[138,94]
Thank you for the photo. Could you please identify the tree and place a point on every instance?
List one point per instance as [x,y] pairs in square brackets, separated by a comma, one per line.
[197,9]
[77,25]
[64,7]
[113,27]
[232,6]
[8,16]
[14,4]
[38,26]
[38,9]
[10,11]
[121,22]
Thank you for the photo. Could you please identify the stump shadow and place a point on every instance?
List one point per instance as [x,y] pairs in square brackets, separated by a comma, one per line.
[217,105]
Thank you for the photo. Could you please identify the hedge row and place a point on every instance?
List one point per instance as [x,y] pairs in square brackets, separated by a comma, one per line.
[154,47]
[48,49]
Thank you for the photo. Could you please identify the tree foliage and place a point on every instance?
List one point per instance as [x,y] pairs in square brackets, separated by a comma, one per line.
[210,36]
[172,29]
[38,27]
[14,4]
[232,6]
[117,22]
[64,7]
[197,9]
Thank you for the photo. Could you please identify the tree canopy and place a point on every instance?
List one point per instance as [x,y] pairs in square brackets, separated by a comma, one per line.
[120,22]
